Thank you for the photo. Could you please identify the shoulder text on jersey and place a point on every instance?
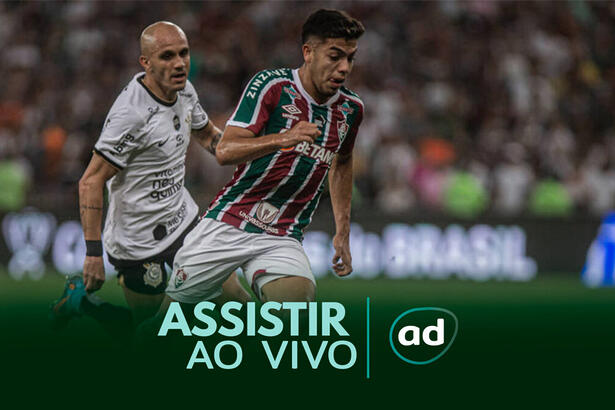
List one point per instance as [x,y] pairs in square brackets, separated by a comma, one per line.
[263,78]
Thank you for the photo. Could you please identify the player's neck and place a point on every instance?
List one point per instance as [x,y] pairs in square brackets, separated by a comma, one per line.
[308,85]
[167,97]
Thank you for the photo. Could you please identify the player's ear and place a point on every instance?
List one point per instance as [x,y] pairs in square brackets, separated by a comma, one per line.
[308,52]
[144,61]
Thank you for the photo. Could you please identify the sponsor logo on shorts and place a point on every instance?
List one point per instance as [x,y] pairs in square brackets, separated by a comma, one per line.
[180,278]
[266,212]
[153,274]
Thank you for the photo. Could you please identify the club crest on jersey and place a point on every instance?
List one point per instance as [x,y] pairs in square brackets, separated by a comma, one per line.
[342,129]
[266,212]
[180,278]
[176,123]
[293,94]
[153,274]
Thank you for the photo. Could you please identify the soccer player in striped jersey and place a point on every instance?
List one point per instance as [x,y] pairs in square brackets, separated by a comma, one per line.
[140,156]
[291,130]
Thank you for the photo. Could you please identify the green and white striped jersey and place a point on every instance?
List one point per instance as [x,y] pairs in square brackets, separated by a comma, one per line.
[279,192]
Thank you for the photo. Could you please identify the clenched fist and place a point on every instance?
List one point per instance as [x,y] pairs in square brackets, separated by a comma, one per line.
[303,131]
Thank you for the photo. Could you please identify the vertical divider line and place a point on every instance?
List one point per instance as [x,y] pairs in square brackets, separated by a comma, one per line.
[367,331]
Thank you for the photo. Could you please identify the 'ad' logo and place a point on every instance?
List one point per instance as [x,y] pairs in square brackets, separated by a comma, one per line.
[423,335]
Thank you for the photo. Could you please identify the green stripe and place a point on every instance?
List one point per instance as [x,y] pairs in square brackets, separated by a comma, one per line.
[297,231]
[318,112]
[352,117]
[284,192]
[255,170]
[252,228]
[304,217]
[276,122]
[247,104]
[288,189]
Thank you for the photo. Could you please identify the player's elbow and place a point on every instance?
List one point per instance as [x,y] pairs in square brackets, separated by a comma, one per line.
[88,183]
[222,155]
[85,183]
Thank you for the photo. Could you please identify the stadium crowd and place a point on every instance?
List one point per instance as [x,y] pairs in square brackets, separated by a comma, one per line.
[472,107]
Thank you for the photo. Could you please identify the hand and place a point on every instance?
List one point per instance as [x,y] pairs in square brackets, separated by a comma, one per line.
[93,273]
[341,244]
[303,131]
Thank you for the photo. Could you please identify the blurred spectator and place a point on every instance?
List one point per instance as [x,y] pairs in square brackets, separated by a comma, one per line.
[513,178]
[595,184]
[464,195]
[14,181]
[550,198]
[394,161]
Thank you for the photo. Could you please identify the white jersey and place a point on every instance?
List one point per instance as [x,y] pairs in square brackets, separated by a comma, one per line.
[146,139]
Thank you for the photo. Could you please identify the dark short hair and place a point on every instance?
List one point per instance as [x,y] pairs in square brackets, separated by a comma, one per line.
[329,23]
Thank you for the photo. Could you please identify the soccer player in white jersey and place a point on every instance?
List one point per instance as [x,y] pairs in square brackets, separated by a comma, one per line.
[140,156]
[290,130]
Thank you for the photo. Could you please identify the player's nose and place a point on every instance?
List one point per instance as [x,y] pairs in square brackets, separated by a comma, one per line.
[179,62]
[343,66]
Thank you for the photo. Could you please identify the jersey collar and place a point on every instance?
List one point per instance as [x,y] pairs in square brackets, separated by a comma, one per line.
[308,96]
[158,100]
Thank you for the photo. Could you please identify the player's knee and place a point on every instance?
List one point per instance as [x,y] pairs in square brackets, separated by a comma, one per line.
[148,279]
[289,289]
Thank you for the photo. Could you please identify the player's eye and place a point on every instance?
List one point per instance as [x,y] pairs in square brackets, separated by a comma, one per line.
[166,56]
[334,57]
[184,52]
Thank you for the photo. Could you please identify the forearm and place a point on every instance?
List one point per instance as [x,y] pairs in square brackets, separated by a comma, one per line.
[209,137]
[340,187]
[238,150]
[239,145]
[91,207]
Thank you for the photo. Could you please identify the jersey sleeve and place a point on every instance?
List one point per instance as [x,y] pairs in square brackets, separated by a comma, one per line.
[200,119]
[348,143]
[258,100]
[120,136]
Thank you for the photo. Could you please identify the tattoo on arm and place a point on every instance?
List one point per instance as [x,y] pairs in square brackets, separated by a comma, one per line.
[96,208]
[214,142]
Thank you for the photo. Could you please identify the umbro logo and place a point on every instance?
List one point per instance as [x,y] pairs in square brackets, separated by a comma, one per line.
[291,109]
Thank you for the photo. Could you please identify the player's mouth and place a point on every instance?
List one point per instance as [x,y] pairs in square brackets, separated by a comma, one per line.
[179,77]
[336,82]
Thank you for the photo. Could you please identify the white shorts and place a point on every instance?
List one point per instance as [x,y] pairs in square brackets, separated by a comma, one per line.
[213,250]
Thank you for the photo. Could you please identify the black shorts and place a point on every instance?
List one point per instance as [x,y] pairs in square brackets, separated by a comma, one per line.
[149,276]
